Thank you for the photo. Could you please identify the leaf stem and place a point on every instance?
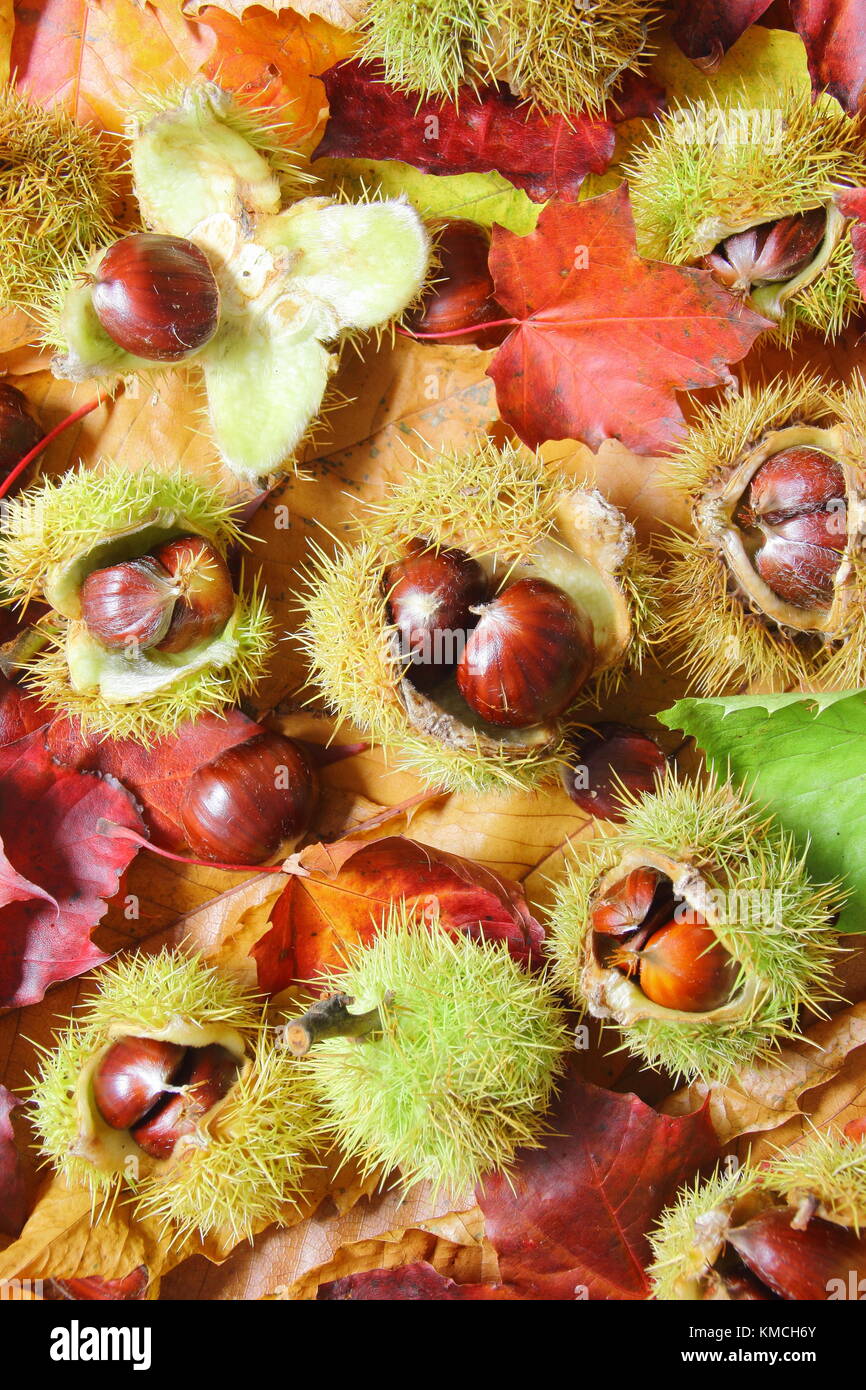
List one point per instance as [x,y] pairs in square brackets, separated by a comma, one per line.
[458,332]
[43,443]
[121,832]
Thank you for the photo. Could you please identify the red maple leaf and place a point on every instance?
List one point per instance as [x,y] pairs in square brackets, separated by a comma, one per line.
[482,131]
[56,869]
[572,1219]
[604,339]
[342,892]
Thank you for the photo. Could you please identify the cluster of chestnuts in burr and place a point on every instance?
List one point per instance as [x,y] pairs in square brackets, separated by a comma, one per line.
[779,1252]
[156,296]
[160,1091]
[519,654]
[794,518]
[769,253]
[643,930]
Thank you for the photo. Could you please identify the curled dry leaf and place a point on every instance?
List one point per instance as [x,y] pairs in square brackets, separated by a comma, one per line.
[50,902]
[604,339]
[339,894]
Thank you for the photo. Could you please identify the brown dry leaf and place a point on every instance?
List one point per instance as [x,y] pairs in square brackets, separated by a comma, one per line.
[765,1097]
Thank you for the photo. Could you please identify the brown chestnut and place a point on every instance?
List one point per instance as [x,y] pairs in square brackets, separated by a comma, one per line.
[803,1263]
[131,1077]
[626,905]
[528,656]
[796,505]
[253,798]
[129,604]
[207,1076]
[431,596]
[156,296]
[606,760]
[682,966]
[769,253]
[461,296]
[204,597]
[20,431]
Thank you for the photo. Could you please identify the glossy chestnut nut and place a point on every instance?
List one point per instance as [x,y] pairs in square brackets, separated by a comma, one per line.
[462,294]
[606,760]
[796,504]
[128,605]
[682,966]
[253,798]
[528,656]
[769,253]
[201,584]
[20,431]
[132,1076]
[208,1076]
[156,296]
[805,1263]
[431,595]
[626,905]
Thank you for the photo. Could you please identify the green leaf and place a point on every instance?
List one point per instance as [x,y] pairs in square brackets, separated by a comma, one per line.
[804,757]
[483,198]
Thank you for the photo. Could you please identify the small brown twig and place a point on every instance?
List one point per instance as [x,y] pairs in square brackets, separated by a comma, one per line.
[329,1018]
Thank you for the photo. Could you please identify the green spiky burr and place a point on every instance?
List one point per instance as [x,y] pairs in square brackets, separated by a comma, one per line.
[734,868]
[57,533]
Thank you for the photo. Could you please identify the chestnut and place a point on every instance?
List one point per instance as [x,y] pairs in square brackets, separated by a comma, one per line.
[431,596]
[626,905]
[796,504]
[251,799]
[528,656]
[461,296]
[131,1077]
[682,966]
[129,604]
[204,597]
[799,1261]
[208,1075]
[770,252]
[607,759]
[156,296]
[20,431]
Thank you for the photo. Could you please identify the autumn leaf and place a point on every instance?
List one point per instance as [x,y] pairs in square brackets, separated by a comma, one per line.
[130,1287]
[56,869]
[852,203]
[344,14]
[417,1282]
[705,32]
[571,1220]
[156,776]
[20,712]
[13,1211]
[603,338]
[548,156]
[339,895]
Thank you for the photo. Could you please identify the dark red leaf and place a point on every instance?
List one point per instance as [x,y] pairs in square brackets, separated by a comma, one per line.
[834,32]
[852,203]
[344,890]
[419,1282]
[492,130]
[56,869]
[571,1221]
[605,339]
[13,1208]
[131,1287]
[20,713]
[156,776]
[707,30]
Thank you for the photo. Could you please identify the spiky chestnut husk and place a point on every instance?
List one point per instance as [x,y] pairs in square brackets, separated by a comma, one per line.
[730,630]
[462,1068]
[295,282]
[560,56]
[725,860]
[691,189]
[58,532]
[245,1165]
[518,518]
[691,1235]
[57,189]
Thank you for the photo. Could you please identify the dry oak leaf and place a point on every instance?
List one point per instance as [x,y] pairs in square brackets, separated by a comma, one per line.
[343,14]
[338,895]
[13,1202]
[603,338]
[56,870]
[488,130]
[571,1219]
